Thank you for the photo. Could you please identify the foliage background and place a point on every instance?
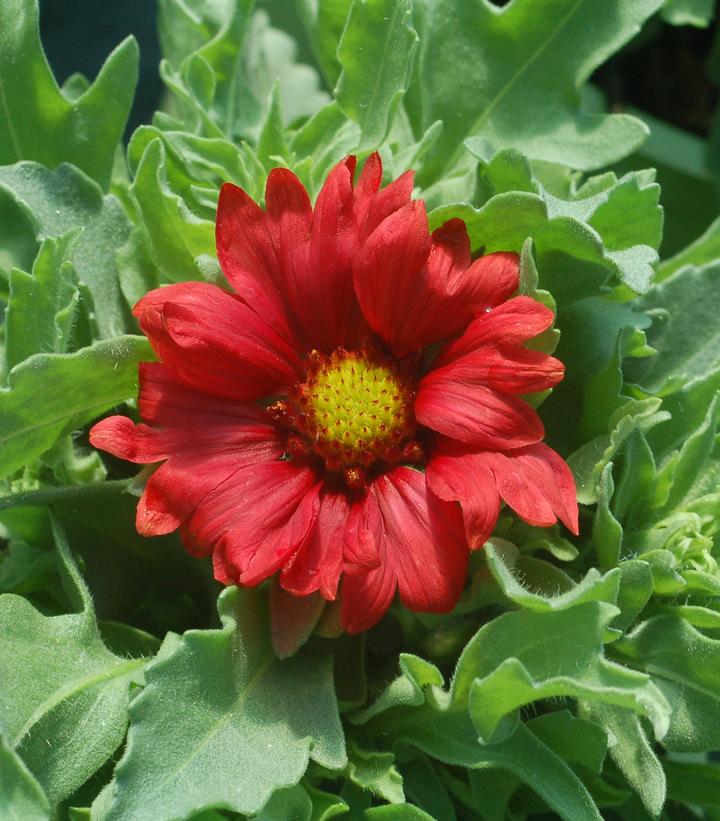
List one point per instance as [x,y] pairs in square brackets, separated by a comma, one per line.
[576,678]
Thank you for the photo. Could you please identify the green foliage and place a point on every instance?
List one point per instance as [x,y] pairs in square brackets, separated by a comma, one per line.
[77,387]
[384,26]
[512,77]
[21,797]
[41,123]
[260,721]
[577,675]
[65,696]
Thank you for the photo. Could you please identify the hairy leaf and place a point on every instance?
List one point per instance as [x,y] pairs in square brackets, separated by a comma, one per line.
[223,723]
[76,388]
[512,77]
[38,122]
[64,699]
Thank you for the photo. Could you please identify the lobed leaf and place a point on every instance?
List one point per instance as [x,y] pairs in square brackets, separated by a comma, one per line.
[65,199]
[41,123]
[76,388]
[63,705]
[377,33]
[222,723]
[512,76]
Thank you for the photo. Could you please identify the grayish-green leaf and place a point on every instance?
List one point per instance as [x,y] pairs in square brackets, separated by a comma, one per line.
[696,13]
[501,558]
[76,388]
[512,76]
[633,754]
[21,797]
[685,665]
[64,199]
[223,723]
[64,698]
[42,305]
[378,33]
[38,122]
[177,235]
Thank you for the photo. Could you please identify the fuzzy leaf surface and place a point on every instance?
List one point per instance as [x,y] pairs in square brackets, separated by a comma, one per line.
[38,122]
[76,388]
[512,76]
[64,698]
[223,723]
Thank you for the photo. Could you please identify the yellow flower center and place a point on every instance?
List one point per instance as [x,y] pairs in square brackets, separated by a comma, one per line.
[356,409]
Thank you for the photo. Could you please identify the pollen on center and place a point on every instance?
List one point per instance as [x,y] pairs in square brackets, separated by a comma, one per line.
[355,409]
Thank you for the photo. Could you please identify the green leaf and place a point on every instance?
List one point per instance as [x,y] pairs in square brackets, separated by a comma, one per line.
[42,306]
[636,587]
[703,250]
[64,199]
[21,797]
[424,788]
[512,77]
[38,122]
[76,388]
[633,754]
[291,803]
[177,236]
[679,472]
[322,142]
[607,531]
[324,21]
[590,460]
[524,656]
[325,805]
[501,558]
[223,723]
[575,740]
[375,772]
[625,212]
[505,221]
[694,783]
[696,13]
[65,695]
[451,738]
[688,300]
[685,665]
[398,812]
[378,33]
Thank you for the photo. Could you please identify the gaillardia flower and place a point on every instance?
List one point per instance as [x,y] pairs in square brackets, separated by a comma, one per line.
[351,414]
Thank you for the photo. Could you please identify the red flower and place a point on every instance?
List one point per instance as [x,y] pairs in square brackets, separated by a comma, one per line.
[354,407]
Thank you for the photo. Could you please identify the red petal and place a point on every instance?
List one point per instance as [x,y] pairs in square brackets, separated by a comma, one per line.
[257,519]
[215,341]
[424,541]
[456,474]
[174,491]
[247,256]
[366,597]
[416,290]
[387,277]
[421,543]
[494,277]
[537,484]
[373,205]
[318,563]
[511,323]
[507,369]
[166,399]
[331,314]
[474,413]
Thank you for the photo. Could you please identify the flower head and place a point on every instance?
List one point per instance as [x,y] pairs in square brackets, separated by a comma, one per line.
[351,414]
